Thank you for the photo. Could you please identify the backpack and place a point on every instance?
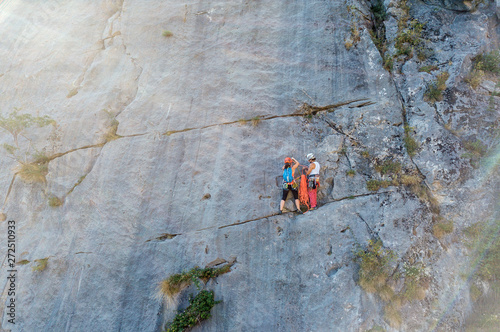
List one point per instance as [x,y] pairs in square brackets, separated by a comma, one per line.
[287,175]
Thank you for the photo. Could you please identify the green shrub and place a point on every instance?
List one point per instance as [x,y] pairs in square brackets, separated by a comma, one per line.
[197,311]
[374,266]
[435,89]
[415,283]
[374,185]
[441,80]
[389,167]
[474,78]
[411,144]
[350,172]
[16,123]
[489,62]
[442,228]
[378,10]
[433,94]
[428,69]
[423,53]
[388,63]
[475,151]
[408,37]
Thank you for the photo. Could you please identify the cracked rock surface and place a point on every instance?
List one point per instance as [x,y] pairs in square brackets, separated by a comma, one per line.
[165,153]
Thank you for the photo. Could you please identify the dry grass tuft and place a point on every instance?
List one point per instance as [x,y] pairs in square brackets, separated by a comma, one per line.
[255,121]
[393,316]
[410,180]
[386,293]
[111,133]
[442,228]
[55,201]
[170,291]
[170,288]
[350,173]
[32,172]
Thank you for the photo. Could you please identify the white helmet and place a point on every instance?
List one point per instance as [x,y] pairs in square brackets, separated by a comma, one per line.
[310,156]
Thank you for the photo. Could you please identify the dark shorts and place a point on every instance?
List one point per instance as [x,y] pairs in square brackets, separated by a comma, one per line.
[294,192]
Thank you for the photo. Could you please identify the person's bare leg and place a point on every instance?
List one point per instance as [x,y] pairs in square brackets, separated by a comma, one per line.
[297,203]
[282,204]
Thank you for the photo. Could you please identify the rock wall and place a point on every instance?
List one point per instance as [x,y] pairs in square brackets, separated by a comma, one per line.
[156,140]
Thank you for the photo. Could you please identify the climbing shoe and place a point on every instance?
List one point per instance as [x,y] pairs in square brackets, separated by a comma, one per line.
[299,211]
[280,212]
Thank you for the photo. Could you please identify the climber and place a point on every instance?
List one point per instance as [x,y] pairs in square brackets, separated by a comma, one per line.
[312,179]
[289,183]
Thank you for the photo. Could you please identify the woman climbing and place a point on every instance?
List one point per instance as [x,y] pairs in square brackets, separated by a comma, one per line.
[312,179]
[289,183]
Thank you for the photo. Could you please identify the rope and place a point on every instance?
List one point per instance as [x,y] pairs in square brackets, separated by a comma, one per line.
[303,195]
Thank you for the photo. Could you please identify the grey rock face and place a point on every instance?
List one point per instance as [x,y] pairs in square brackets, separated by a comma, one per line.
[165,149]
[456,5]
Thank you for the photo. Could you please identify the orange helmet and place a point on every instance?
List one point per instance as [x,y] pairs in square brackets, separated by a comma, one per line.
[288,160]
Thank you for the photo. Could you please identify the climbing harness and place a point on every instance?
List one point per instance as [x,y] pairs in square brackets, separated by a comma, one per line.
[313,181]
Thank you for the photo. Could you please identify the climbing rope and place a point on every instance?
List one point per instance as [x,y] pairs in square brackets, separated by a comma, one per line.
[303,195]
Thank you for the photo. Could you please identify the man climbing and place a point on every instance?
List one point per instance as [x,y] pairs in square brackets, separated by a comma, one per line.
[312,179]
[289,183]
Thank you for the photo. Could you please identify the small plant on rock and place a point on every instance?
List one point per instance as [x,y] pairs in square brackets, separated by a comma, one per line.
[173,285]
[474,78]
[111,134]
[475,151]
[375,266]
[200,305]
[442,227]
[41,264]
[388,167]
[55,201]
[16,123]
[411,144]
[255,121]
[375,185]
[428,69]
[32,172]
[197,311]
[490,62]
[167,33]
[435,89]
